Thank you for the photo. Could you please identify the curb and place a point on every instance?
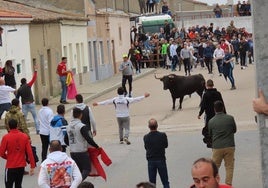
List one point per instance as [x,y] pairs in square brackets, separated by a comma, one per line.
[115,86]
[90,98]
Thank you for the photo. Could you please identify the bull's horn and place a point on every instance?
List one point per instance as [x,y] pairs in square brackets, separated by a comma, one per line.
[156,77]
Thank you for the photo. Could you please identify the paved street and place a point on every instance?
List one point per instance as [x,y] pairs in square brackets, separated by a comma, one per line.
[183,130]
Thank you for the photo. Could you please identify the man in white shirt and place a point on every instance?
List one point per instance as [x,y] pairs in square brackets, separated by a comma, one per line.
[45,115]
[58,170]
[218,55]
[121,104]
[173,53]
[5,102]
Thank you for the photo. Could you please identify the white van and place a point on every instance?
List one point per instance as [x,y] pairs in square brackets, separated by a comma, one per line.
[152,23]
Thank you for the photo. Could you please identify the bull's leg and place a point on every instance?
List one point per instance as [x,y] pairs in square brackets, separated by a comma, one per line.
[181,99]
[173,101]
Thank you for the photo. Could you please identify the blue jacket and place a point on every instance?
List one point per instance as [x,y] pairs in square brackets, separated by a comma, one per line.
[208,52]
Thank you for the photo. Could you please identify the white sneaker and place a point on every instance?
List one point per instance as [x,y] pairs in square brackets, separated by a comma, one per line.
[126,141]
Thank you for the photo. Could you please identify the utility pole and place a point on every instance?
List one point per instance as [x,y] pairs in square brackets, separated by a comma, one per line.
[260,26]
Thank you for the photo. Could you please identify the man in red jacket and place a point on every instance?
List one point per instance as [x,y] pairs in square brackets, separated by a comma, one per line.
[62,72]
[14,147]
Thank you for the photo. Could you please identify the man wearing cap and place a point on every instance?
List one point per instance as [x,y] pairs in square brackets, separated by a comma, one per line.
[127,70]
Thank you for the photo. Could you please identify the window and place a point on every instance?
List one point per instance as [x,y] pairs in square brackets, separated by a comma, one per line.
[109,51]
[42,69]
[90,55]
[120,33]
[101,53]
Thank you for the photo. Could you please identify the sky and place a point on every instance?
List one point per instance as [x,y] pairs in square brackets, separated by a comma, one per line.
[220,2]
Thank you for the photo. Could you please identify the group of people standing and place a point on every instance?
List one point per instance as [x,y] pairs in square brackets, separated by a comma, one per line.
[8,85]
[244,8]
[219,129]
[200,46]
[154,6]
[16,145]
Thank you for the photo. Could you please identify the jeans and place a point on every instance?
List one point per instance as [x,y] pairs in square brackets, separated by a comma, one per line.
[31,108]
[226,154]
[219,64]
[4,107]
[14,175]
[231,77]
[161,167]
[174,63]
[63,88]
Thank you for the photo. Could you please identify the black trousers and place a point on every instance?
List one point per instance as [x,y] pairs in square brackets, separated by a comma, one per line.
[187,65]
[45,143]
[14,175]
[82,160]
[126,78]
[243,58]
[208,62]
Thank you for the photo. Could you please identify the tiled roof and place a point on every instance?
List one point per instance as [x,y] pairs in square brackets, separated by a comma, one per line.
[13,14]
[39,15]
[198,2]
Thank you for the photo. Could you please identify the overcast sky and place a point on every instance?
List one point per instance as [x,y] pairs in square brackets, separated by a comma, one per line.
[211,2]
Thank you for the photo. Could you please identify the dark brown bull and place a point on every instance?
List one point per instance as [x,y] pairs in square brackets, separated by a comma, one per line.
[179,86]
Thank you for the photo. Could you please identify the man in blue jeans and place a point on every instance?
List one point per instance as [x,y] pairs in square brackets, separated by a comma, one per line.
[27,99]
[155,143]
[62,72]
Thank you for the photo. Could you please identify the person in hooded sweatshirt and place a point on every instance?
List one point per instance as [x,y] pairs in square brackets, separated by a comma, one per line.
[79,140]
[58,125]
[16,113]
[207,105]
[87,117]
[58,170]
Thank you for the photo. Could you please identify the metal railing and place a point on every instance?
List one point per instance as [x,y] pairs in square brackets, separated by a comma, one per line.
[201,14]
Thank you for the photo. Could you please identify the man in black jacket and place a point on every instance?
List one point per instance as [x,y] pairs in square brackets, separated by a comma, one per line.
[207,105]
[155,143]
[27,99]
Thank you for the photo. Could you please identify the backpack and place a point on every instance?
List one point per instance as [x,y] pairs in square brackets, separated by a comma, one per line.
[57,129]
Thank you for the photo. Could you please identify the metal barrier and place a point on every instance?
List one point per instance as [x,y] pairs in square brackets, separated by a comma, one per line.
[152,60]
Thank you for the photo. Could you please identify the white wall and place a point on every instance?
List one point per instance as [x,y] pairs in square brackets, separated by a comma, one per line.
[75,36]
[16,46]
[122,46]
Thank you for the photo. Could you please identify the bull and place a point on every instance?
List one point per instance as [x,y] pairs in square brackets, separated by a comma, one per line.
[179,86]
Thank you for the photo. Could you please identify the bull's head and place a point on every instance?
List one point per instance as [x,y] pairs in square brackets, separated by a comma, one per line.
[167,80]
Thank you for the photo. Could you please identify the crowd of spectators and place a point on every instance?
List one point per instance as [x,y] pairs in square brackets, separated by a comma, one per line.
[243,9]
[156,45]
